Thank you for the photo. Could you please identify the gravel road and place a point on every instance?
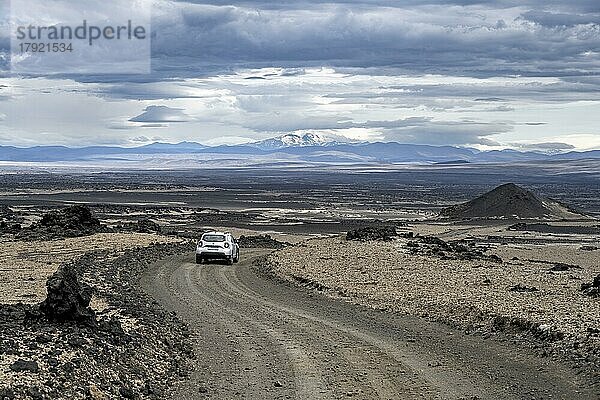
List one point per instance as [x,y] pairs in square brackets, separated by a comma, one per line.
[256,338]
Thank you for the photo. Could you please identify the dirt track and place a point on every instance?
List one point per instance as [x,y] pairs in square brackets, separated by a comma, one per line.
[258,339]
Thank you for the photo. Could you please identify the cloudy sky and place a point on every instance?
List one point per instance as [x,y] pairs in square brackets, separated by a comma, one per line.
[486,74]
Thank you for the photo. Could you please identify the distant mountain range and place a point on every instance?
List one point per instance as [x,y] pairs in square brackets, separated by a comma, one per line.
[309,148]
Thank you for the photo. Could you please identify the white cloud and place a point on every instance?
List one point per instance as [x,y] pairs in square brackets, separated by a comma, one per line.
[441,72]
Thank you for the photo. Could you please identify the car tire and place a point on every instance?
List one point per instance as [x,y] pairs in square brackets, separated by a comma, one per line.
[230,261]
[199,259]
[237,258]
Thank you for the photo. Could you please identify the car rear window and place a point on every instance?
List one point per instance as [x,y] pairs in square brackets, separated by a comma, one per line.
[213,238]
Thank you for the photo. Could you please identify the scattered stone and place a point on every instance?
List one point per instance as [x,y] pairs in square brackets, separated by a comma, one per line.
[96,394]
[385,233]
[523,289]
[72,356]
[561,267]
[5,211]
[24,366]
[589,248]
[76,341]
[7,394]
[455,250]
[68,299]
[35,393]
[43,338]
[6,228]
[260,241]
[555,229]
[126,392]
[592,289]
[145,225]
[278,384]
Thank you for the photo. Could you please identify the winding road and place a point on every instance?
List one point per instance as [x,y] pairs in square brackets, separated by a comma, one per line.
[256,338]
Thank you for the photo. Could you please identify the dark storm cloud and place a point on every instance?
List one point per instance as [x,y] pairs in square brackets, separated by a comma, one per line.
[476,38]
[556,20]
[158,114]
[427,37]
[359,68]
[578,5]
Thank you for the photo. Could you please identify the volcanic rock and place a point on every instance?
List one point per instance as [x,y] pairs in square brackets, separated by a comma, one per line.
[35,393]
[589,248]
[24,366]
[509,201]
[75,218]
[5,211]
[592,289]
[73,221]
[523,289]
[384,233]
[260,241]
[68,299]
[141,226]
[9,228]
[7,393]
[454,250]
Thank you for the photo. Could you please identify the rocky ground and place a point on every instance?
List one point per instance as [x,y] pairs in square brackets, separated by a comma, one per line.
[25,265]
[260,242]
[533,291]
[72,322]
[122,345]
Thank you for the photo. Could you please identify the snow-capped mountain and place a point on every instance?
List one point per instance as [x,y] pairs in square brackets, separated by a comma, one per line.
[296,140]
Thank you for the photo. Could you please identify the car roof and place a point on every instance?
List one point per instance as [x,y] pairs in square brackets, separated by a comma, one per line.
[216,233]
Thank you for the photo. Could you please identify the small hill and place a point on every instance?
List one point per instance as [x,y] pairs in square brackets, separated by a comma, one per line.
[509,201]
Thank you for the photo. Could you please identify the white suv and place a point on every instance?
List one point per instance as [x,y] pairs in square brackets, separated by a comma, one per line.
[217,245]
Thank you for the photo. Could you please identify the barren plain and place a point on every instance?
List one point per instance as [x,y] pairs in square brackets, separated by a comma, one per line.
[432,311]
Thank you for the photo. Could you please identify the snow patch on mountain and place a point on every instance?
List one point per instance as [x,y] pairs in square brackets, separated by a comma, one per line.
[300,140]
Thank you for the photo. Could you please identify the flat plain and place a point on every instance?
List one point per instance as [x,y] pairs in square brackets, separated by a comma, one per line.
[511,284]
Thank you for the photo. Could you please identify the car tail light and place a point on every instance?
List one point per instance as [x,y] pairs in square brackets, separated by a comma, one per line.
[200,244]
[226,245]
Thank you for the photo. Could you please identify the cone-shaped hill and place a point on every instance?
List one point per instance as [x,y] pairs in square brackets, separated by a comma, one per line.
[509,201]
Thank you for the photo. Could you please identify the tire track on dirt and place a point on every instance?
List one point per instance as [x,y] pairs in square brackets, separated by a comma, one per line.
[308,382]
[380,375]
[259,339]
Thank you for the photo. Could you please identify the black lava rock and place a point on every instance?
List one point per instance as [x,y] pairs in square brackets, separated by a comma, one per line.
[75,217]
[260,241]
[24,366]
[141,226]
[35,393]
[523,289]
[592,289]
[9,228]
[73,221]
[385,233]
[7,394]
[68,299]
[126,392]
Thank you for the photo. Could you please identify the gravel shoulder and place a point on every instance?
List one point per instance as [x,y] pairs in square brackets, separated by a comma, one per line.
[260,338]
